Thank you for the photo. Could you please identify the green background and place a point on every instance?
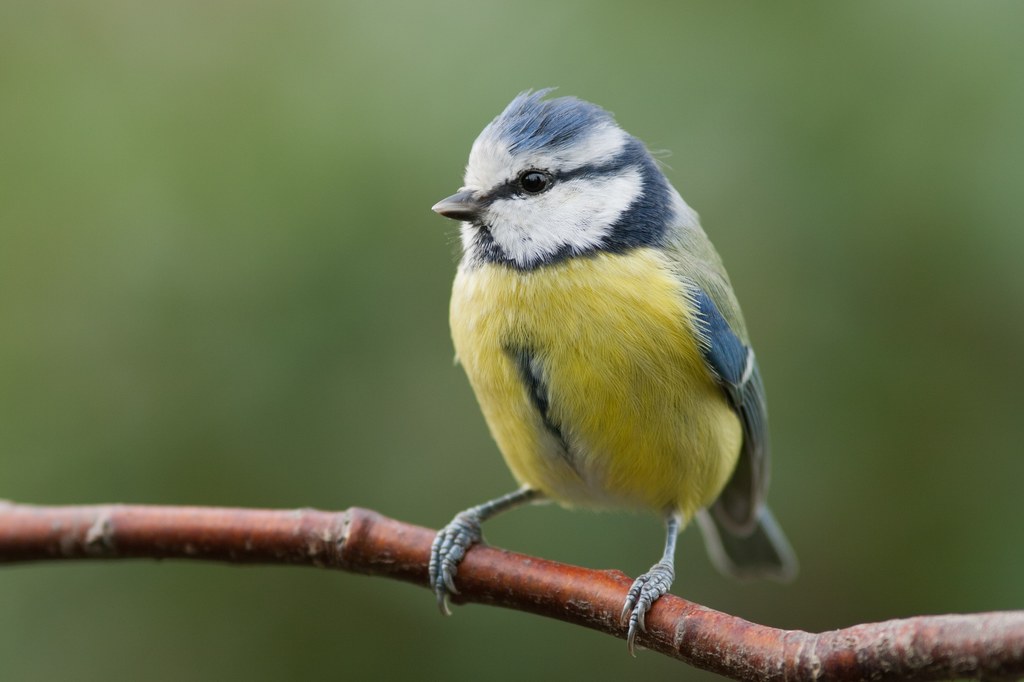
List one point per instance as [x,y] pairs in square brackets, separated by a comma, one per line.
[221,283]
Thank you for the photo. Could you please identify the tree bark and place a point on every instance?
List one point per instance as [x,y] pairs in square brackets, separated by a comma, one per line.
[985,645]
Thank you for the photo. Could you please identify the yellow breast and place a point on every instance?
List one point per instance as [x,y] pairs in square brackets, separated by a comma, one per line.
[614,339]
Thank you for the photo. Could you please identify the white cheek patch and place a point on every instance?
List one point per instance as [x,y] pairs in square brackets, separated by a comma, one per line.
[577,214]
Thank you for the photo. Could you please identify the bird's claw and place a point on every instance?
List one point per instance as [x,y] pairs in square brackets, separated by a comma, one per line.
[447,552]
[645,591]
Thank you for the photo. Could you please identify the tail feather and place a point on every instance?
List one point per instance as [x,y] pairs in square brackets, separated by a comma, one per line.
[763,553]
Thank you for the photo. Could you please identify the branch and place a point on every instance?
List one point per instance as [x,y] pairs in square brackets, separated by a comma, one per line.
[985,645]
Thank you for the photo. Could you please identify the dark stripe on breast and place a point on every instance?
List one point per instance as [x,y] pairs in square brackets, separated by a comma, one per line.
[530,372]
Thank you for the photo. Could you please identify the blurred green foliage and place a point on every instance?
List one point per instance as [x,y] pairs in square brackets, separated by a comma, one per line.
[220,283]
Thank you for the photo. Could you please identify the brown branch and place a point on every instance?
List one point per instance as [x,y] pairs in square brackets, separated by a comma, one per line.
[985,645]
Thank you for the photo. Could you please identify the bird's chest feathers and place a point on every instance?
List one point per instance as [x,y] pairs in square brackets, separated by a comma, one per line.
[625,311]
[613,344]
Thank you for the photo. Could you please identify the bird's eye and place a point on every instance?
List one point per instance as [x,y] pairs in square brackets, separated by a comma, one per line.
[534,181]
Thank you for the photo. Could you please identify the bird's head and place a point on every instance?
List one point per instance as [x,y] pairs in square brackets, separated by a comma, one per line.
[550,179]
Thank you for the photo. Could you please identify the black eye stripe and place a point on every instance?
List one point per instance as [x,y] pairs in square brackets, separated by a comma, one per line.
[511,188]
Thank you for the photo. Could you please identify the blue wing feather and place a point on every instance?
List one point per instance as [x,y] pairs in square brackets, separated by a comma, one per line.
[733,364]
[724,352]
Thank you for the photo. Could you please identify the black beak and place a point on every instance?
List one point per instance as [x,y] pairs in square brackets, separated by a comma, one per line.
[459,206]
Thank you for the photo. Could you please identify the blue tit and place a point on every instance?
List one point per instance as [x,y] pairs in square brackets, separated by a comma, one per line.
[605,345]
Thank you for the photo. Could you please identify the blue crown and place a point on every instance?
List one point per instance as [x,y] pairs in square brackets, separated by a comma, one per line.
[530,123]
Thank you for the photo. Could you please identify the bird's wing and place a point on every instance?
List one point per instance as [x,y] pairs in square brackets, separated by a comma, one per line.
[730,359]
[734,366]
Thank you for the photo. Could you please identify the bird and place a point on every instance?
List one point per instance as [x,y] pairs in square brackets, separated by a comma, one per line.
[605,345]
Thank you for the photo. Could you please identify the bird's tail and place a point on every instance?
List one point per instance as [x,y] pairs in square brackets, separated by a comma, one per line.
[762,553]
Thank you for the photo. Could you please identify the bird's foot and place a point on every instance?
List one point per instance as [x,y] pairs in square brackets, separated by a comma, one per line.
[645,591]
[447,552]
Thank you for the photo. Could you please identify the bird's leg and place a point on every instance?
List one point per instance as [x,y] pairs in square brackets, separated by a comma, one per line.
[463,532]
[647,588]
